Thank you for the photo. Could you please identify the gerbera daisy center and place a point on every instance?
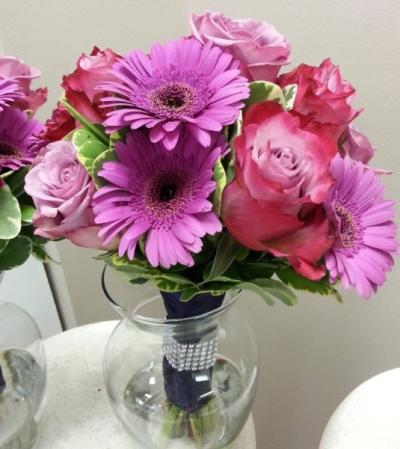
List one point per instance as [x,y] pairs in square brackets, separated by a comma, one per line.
[173,97]
[166,196]
[346,226]
[7,150]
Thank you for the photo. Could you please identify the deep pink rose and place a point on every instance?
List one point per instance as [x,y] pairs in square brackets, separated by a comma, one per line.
[322,95]
[58,125]
[259,47]
[356,145]
[23,74]
[282,178]
[80,85]
[62,191]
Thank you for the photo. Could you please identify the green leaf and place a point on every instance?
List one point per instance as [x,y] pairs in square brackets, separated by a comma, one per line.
[226,252]
[242,254]
[255,270]
[10,214]
[27,212]
[190,292]
[41,255]
[261,91]
[269,289]
[168,285]
[289,93]
[16,181]
[96,130]
[220,179]
[234,130]
[16,253]
[88,148]
[3,244]
[29,231]
[290,277]
[136,269]
[106,156]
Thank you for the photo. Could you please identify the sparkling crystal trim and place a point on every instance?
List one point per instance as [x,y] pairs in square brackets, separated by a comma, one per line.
[190,356]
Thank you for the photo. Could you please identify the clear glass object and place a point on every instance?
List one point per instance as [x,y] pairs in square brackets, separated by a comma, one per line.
[136,378]
[22,378]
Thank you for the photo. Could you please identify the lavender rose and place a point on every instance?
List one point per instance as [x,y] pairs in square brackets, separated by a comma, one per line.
[15,69]
[356,145]
[259,47]
[62,191]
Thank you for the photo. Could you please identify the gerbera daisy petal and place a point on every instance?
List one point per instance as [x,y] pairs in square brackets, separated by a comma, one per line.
[158,195]
[19,142]
[365,233]
[175,85]
[9,92]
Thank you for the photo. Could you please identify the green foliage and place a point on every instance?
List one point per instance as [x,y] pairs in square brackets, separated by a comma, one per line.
[270,289]
[10,214]
[137,270]
[15,253]
[290,277]
[3,244]
[88,148]
[96,130]
[226,252]
[289,92]
[235,129]
[261,91]
[106,156]
[220,179]
[41,255]
[16,181]
[27,212]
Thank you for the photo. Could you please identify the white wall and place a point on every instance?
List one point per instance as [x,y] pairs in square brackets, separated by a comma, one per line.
[315,353]
[27,287]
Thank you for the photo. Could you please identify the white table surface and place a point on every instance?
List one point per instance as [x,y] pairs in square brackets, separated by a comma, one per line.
[77,413]
[369,418]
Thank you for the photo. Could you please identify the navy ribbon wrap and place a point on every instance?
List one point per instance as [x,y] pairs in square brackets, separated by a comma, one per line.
[189,390]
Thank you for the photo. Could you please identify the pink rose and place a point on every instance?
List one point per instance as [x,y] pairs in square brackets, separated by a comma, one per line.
[58,125]
[80,85]
[13,68]
[322,95]
[62,192]
[259,47]
[356,145]
[282,178]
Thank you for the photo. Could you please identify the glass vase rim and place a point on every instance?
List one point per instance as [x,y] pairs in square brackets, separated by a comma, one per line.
[230,299]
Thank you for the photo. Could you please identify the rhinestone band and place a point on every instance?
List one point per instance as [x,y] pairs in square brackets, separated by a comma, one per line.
[190,356]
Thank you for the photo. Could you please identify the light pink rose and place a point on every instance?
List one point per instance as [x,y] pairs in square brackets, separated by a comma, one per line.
[356,145]
[80,85]
[13,68]
[62,192]
[259,47]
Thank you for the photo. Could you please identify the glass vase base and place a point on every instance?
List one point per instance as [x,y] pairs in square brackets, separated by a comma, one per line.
[145,406]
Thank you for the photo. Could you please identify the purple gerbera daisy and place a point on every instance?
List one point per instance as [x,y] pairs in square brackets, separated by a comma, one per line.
[161,194]
[9,92]
[365,236]
[19,142]
[180,84]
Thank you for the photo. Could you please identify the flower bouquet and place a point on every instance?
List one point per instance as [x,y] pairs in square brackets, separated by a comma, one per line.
[20,142]
[199,168]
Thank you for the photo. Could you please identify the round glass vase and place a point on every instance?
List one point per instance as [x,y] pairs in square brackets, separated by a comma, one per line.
[204,399]
[22,378]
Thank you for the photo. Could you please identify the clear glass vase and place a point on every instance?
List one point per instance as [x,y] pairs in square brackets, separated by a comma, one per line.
[181,383]
[22,378]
